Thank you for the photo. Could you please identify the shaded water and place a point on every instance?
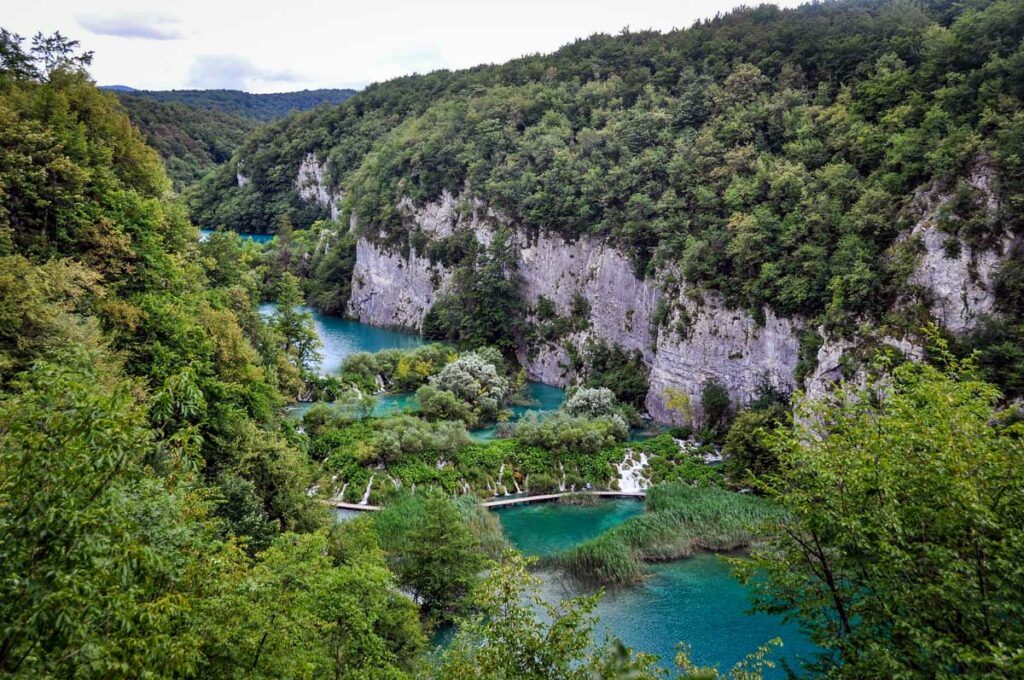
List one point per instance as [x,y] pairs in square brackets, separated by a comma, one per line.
[257,238]
[693,600]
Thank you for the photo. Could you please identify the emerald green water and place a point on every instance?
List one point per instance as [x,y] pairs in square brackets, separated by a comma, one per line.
[541,398]
[257,238]
[694,600]
[341,337]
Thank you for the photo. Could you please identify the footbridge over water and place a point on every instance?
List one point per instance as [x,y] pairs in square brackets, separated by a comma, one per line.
[515,500]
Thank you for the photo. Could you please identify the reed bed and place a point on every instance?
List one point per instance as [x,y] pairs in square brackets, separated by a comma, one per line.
[680,520]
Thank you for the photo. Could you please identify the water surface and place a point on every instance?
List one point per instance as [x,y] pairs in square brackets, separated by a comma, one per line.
[539,398]
[694,600]
[341,337]
[256,238]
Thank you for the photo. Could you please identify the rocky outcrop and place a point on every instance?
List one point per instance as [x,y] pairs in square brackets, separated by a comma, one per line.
[621,306]
[240,177]
[706,341]
[956,277]
[391,290]
[312,185]
[703,340]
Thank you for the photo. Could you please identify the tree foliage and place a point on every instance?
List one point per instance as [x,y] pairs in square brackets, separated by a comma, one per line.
[899,550]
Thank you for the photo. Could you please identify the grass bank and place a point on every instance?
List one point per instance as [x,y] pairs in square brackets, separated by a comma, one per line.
[680,520]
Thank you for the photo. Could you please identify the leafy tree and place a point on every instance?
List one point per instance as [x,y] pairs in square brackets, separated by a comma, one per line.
[103,560]
[747,451]
[716,407]
[899,550]
[433,552]
[296,326]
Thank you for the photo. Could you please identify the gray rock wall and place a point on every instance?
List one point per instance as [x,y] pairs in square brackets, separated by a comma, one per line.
[703,339]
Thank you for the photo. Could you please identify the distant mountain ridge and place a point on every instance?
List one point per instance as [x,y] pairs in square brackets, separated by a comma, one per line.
[196,130]
[261,107]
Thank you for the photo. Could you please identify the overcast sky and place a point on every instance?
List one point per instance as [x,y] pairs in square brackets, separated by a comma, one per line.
[284,45]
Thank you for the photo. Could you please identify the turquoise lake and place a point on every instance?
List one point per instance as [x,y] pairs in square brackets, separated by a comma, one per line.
[257,238]
[341,337]
[694,600]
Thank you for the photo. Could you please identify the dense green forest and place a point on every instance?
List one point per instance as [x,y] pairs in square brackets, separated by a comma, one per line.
[160,516]
[772,155]
[190,140]
[197,130]
[261,107]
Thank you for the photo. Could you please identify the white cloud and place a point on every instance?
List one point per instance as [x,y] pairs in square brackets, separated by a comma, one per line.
[228,72]
[299,44]
[145,25]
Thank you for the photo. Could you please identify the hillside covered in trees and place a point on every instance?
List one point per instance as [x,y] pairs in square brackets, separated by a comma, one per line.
[161,517]
[197,130]
[190,140]
[261,107]
[770,155]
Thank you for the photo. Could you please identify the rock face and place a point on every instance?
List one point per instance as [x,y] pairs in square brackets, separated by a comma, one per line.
[703,340]
[311,184]
[957,278]
[391,290]
[722,345]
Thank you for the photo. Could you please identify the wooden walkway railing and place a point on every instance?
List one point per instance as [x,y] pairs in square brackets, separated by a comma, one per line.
[519,500]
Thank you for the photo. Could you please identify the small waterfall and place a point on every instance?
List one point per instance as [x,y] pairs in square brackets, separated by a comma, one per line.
[396,482]
[631,470]
[312,491]
[380,383]
[465,487]
[526,482]
[516,482]
[341,494]
[366,496]
[441,462]
[501,473]
[561,484]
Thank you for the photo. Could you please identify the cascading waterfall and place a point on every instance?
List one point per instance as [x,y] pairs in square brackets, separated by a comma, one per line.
[501,473]
[631,471]
[561,484]
[369,485]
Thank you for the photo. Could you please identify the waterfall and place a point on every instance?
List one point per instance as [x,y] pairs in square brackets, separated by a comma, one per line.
[631,470]
[516,482]
[501,473]
[341,494]
[366,496]
[561,484]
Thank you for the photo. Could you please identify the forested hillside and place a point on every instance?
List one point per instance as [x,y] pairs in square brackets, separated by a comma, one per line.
[197,130]
[161,517]
[770,155]
[191,140]
[262,107]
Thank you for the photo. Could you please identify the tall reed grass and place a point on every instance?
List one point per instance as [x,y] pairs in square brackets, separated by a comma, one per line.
[680,520]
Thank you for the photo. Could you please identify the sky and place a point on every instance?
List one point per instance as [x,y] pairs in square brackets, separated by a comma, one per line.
[286,45]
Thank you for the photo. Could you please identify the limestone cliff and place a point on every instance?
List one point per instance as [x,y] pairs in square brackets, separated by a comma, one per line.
[701,339]
[311,183]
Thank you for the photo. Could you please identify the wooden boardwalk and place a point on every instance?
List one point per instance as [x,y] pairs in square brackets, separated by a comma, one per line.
[342,505]
[519,500]
[543,498]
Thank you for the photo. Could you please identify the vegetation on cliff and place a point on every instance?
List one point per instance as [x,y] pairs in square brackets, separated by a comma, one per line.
[769,154]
